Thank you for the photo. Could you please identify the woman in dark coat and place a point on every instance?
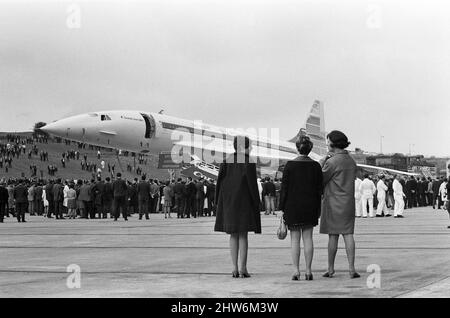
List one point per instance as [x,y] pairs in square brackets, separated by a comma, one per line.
[338,206]
[238,203]
[301,194]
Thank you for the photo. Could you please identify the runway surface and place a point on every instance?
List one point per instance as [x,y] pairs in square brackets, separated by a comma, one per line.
[186,258]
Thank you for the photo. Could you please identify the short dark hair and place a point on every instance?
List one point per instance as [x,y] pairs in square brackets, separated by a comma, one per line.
[338,139]
[238,142]
[366,176]
[119,175]
[304,145]
[144,177]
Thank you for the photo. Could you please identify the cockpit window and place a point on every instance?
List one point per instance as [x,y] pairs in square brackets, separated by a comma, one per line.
[105,117]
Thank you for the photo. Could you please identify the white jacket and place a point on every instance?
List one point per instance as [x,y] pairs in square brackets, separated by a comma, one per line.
[358,193]
[398,189]
[381,188]
[260,188]
[44,198]
[443,191]
[66,200]
[368,187]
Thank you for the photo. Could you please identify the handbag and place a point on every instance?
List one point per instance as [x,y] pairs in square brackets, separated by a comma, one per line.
[282,229]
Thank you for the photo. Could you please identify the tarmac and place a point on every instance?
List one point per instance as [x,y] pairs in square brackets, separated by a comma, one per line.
[185,258]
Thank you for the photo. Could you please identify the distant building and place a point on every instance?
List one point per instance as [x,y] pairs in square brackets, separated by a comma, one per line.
[441,165]
[396,161]
[359,156]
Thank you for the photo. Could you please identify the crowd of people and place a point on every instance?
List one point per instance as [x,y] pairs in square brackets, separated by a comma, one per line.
[14,146]
[377,196]
[100,198]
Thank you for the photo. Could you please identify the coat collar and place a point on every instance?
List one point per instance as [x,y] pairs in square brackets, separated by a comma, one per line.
[340,152]
[303,158]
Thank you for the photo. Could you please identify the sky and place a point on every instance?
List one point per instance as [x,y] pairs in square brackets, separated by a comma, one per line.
[381,68]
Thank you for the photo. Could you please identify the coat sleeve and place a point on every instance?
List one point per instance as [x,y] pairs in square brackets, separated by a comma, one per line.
[320,180]
[252,183]
[285,187]
[327,172]
[222,173]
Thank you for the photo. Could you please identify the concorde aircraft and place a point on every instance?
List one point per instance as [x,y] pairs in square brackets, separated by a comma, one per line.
[200,145]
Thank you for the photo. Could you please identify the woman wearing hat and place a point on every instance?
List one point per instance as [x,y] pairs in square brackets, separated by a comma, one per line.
[338,205]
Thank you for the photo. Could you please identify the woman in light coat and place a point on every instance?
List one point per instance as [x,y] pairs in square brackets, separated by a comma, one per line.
[338,204]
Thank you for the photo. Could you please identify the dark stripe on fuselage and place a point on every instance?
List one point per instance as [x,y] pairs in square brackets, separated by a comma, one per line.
[222,136]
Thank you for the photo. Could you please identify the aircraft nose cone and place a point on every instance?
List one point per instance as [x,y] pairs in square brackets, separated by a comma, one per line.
[52,128]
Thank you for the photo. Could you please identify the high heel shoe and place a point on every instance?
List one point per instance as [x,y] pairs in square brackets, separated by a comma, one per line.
[328,274]
[308,277]
[354,275]
[296,276]
[235,274]
[244,274]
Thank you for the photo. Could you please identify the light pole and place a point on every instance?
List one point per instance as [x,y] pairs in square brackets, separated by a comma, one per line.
[381,144]
[410,149]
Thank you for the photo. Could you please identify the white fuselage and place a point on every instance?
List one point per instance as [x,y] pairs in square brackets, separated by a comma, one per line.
[153,133]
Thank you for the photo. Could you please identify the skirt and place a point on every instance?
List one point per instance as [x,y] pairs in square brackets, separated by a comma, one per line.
[167,203]
[298,227]
[71,204]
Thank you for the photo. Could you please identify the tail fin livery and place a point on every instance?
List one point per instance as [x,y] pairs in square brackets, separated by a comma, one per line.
[314,127]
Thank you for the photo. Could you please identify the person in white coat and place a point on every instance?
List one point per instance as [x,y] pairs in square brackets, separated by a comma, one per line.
[443,193]
[65,191]
[368,190]
[381,196]
[45,201]
[399,204]
[358,203]
[260,188]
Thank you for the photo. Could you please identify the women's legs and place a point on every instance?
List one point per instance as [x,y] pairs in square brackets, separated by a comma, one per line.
[332,250]
[309,248]
[295,250]
[243,251]
[234,249]
[350,248]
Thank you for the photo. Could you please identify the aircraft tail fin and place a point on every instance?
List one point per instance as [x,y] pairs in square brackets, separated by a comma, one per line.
[314,127]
